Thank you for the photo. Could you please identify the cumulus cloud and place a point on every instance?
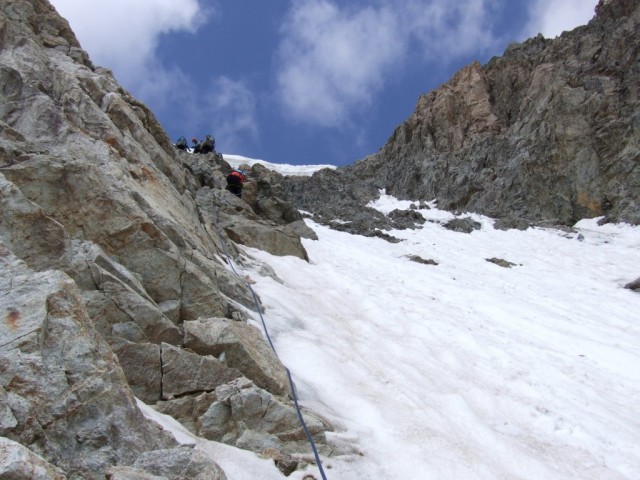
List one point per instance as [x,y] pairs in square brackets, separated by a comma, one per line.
[331,58]
[123,32]
[123,35]
[334,58]
[552,17]
[449,30]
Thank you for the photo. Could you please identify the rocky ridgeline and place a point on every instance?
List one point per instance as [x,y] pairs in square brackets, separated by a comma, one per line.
[549,133]
[114,284]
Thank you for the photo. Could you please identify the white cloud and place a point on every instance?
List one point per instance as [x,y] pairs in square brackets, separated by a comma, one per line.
[231,106]
[447,30]
[333,59]
[123,35]
[552,17]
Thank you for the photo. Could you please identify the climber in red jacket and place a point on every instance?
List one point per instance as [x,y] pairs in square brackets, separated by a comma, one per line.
[235,181]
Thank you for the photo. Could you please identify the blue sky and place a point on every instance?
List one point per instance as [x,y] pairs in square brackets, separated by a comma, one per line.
[300,81]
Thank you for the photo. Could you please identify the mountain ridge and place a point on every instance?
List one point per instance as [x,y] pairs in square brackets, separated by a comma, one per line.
[546,134]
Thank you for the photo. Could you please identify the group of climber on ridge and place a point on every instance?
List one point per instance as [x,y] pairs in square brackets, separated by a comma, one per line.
[208,145]
[235,180]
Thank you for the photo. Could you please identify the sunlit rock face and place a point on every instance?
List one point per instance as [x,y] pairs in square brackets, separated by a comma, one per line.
[548,133]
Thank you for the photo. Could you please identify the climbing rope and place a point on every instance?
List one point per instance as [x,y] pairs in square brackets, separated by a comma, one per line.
[266,332]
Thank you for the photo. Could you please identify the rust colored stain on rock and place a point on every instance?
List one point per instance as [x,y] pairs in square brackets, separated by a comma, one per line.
[12,319]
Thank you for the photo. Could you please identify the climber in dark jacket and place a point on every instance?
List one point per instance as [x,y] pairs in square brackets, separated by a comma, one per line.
[181,144]
[208,145]
[235,182]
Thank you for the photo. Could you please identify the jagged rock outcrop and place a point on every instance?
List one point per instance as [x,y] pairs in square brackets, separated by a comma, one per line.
[548,133]
[242,414]
[340,200]
[243,349]
[260,219]
[111,241]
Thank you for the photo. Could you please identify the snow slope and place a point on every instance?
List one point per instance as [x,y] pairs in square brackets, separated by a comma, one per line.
[294,170]
[464,369]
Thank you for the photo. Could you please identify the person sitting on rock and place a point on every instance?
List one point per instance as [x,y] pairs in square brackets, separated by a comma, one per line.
[196,145]
[208,145]
[181,144]
[235,182]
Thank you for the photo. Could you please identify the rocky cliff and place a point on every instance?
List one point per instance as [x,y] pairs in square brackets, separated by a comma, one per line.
[114,248]
[548,133]
[115,279]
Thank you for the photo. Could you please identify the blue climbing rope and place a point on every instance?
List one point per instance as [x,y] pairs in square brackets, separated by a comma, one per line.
[266,332]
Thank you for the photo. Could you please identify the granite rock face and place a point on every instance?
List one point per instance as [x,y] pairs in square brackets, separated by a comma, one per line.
[111,241]
[64,394]
[548,133]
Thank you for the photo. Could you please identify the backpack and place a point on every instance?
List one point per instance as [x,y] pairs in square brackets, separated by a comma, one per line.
[208,145]
[182,143]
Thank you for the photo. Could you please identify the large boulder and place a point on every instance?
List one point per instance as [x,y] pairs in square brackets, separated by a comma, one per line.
[180,463]
[118,303]
[277,240]
[244,348]
[253,419]
[185,372]
[243,415]
[142,366]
